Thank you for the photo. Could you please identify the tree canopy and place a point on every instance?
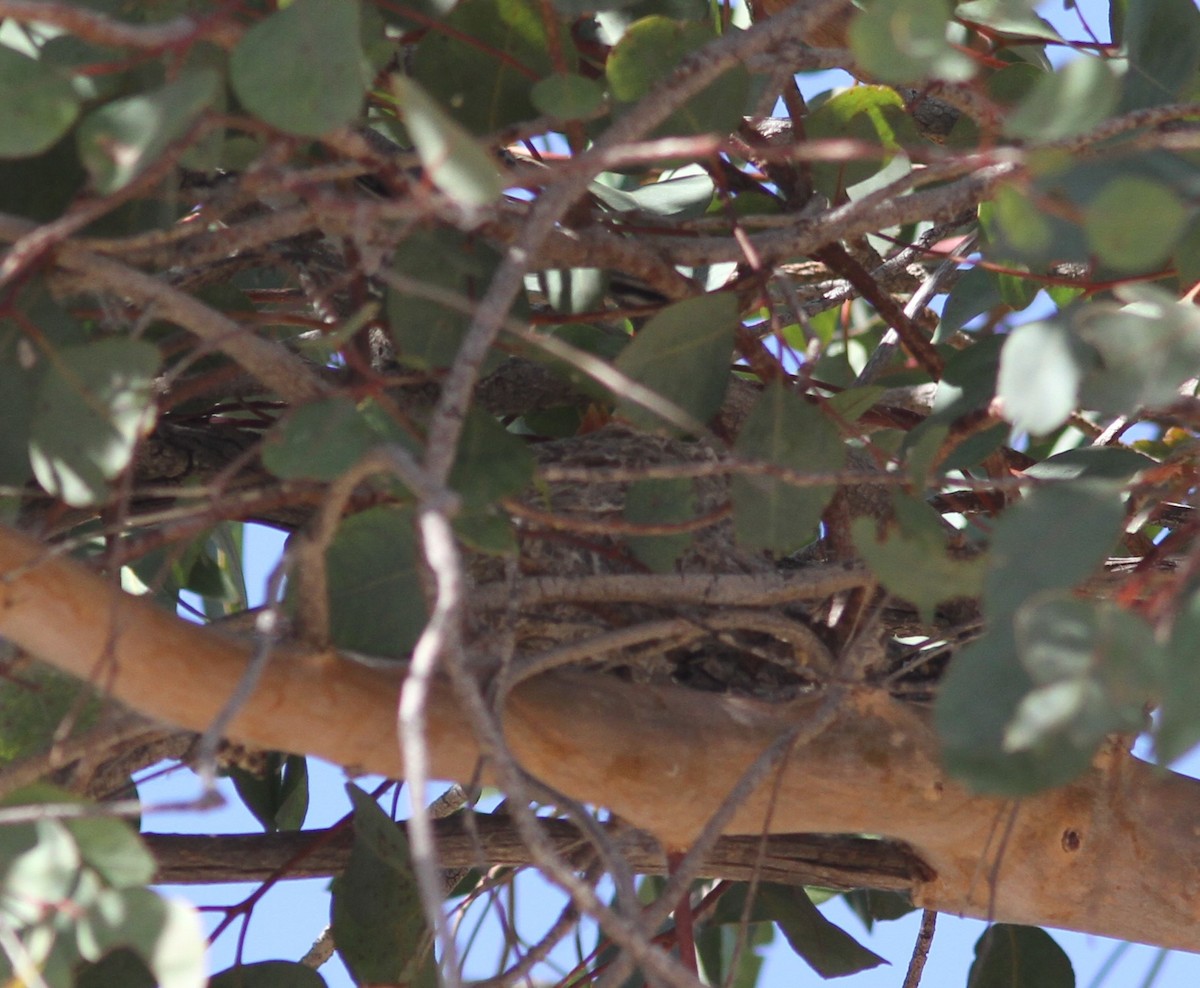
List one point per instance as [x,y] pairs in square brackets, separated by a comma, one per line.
[771,490]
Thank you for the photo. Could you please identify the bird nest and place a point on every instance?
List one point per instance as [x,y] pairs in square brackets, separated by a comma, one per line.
[590,586]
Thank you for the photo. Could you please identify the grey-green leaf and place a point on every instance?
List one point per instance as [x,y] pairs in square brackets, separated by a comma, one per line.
[378,923]
[39,105]
[783,429]
[567,97]
[375,600]
[658,502]
[913,562]
[683,354]
[268,974]
[454,161]
[1041,368]
[1162,42]
[93,405]
[302,69]
[1065,103]
[1134,223]
[119,140]
[1008,955]
[905,40]
[1179,724]
[319,441]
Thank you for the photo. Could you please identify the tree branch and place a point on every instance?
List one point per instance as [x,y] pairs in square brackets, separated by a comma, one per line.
[1119,840]
[792,859]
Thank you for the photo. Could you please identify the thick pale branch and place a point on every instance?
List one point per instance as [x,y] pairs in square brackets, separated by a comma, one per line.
[1111,854]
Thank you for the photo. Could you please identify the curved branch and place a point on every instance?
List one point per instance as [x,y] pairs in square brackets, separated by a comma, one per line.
[1110,854]
[102,30]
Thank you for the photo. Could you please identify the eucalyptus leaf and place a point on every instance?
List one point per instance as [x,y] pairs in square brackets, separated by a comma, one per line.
[783,429]
[1162,42]
[1041,369]
[39,105]
[566,96]
[376,605]
[119,140]
[302,68]
[905,40]
[1134,223]
[268,974]
[683,354]
[319,441]
[1008,955]
[377,919]
[453,160]
[483,68]
[93,405]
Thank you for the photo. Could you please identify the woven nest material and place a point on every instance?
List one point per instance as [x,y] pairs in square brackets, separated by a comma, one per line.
[578,530]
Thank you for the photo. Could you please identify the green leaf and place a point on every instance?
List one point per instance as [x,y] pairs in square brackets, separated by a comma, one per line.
[34,706]
[268,974]
[975,293]
[717,946]
[121,139]
[115,850]
[1148,348]
[660,502]
[92,407]
[1091,463]
[453,160]
[38,871]
[1055,538]
[118,967]
[318,441]
[567,97]
[972,733]
[872,905]
[1134,223]
[649,51]
[1042,367]
[827,948]
[872,115]
[1065,103]
[850,405]
[905,41]
[492,463]
[1008,955]
[39,105]
[1179,723]
[1094,668]
[483,67]
[277,796]
[684,193]
[378,922]
[783,429]
[165,933]
[683,354]
[427,334]
[302,69]
[375,601]
[1013,220]
[914,562]
[1162,42]
[1052,540]
[1012,17]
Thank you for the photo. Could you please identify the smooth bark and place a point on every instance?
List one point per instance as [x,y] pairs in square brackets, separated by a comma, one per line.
[1111,854]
